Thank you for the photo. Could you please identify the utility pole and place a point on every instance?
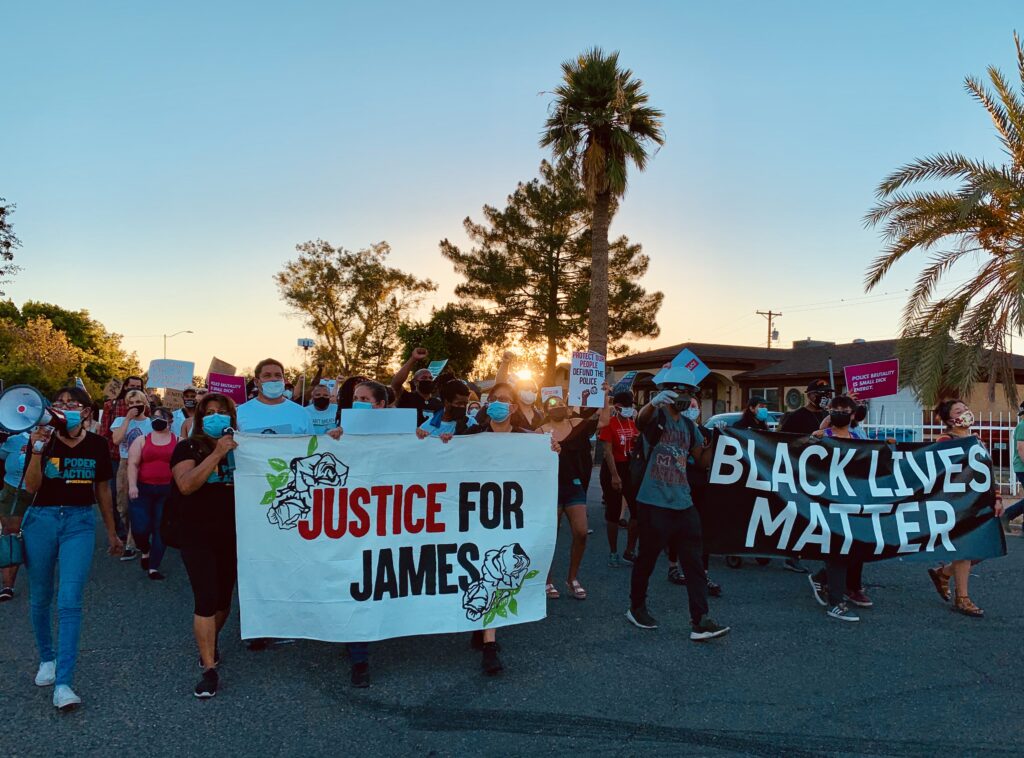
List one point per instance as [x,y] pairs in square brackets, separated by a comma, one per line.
[769,315]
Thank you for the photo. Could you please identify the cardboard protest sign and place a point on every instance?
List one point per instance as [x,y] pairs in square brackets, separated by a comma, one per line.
[868,380]
[586,375]
[217,366]
[225,384]
[171,374]
[387,536]
[686,359]
[436,367]
[173,399]
[546,392]
[625,383]
[785,495]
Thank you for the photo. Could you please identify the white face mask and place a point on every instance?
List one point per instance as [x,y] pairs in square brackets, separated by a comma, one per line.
[528,397]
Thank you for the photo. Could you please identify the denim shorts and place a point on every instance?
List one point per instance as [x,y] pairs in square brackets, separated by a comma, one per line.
[571,493]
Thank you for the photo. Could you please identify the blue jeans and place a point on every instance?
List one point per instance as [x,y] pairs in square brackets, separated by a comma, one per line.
[358,652]
[55,536]
[1017,508]
[146,512]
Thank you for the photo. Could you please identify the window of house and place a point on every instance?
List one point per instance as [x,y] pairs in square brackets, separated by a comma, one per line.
[771,394]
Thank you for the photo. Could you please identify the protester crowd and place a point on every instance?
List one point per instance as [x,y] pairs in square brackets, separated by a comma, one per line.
[136,456]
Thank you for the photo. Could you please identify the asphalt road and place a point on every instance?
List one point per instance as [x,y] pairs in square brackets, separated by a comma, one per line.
[912,679]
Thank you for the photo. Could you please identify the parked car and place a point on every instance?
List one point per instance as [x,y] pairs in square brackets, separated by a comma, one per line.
[728,419]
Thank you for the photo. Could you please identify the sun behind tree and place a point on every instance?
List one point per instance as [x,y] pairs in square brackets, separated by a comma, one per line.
[948,343]
[600,122]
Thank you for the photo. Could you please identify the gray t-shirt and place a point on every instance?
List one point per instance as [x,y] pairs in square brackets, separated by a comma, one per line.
[665,484]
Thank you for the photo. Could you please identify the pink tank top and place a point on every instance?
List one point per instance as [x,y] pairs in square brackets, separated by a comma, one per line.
[155,463]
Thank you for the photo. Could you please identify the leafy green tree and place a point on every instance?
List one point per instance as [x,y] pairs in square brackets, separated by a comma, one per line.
[9,242]
[450,333]
[950,342]
[600,123]
[37,353]
[354,301]
[528,274]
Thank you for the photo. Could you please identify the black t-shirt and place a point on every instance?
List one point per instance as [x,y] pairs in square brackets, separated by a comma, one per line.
[424,408]
[750,421]
[208,514]
[70,473]
[802,421]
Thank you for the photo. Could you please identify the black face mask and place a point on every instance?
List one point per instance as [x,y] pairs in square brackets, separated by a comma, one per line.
[425,386]
[159,424]
[558,414]
[840,418]
[456,413]
[190,404]
[321,403]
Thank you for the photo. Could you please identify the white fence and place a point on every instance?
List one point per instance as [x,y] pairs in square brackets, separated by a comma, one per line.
[995,430]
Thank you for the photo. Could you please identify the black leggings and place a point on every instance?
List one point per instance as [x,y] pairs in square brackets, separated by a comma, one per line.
[211,572]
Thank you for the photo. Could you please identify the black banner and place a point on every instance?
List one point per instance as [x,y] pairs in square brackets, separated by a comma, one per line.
[775,494]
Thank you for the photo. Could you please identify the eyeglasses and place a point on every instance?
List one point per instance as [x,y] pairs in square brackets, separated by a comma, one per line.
[68,406]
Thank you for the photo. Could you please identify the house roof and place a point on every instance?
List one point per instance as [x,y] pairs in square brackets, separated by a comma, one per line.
[707,352]
[811,362]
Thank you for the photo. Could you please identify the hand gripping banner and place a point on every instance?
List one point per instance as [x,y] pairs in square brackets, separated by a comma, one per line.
[779,494]
[372,537]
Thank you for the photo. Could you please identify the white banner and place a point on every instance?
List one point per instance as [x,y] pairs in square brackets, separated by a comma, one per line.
[366,538]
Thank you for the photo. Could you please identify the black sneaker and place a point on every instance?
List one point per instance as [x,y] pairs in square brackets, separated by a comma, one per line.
[629,557]
[6,593]
[258,643]
[490,663]
[842,613]
[820,591]
[361,675]
[641,617]
[714,589]
[476,641]
[207,686]
[794,565]
[156,576]
[129,554]
[676,576]
[706,630]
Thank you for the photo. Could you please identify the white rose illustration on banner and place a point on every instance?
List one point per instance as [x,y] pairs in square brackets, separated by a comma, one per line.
[502,575]
[292,484]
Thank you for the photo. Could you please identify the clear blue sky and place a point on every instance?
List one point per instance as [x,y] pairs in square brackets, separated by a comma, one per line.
[181,151]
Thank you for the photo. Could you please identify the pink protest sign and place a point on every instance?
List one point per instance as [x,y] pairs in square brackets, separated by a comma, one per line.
[225,384]
[868,380]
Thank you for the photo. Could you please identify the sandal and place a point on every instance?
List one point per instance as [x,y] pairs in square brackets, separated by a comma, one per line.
[552,592]
[576,589]
[941,582]
[963,605]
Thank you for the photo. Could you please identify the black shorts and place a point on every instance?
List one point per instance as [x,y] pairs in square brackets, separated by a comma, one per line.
[613,498]
[211,572]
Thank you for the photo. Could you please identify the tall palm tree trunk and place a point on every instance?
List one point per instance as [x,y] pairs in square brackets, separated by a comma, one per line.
[598,321]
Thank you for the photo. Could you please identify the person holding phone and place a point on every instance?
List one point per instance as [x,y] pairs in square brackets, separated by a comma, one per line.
[124,430]
[67,471]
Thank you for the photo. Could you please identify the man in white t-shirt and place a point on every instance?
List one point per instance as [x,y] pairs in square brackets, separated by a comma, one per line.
[323,414]
[270,412]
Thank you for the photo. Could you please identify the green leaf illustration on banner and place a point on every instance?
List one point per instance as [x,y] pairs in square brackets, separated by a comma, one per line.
[513,606]
[276,481]
[489,617]
[277,464]
[500,610]
[531,574]
[312,445]
[268,497]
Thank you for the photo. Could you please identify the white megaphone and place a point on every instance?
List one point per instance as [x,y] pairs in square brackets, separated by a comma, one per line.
[23,407]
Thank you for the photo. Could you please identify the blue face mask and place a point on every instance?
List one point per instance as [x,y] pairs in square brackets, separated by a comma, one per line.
[74,419]
[215,424]
[498,411]
[362,406]
[272,390]
[762,414]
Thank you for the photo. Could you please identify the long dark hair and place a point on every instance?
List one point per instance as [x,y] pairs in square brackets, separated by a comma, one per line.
[945,409]
[226,403]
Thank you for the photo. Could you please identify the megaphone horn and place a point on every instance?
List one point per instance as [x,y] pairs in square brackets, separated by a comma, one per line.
[23,407]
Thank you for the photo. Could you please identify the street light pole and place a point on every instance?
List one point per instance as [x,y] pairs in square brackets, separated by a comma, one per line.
[168,336]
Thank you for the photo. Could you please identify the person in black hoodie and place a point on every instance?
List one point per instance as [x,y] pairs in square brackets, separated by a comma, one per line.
[755,415]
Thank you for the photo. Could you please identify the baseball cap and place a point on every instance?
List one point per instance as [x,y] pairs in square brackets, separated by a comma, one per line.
[820,386]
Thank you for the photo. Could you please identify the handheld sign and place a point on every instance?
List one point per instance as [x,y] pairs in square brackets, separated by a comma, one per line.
[170,374]
[232,386]
[688,360]
[625,383]
[868,380]
[436,367]
[217,366]
[546,392]
[586,374]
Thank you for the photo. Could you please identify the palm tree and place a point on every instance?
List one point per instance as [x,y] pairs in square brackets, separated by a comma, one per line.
[599,123]
[950,342]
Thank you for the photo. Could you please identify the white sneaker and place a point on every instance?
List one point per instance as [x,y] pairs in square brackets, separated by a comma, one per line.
[47,674]
[65,697]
